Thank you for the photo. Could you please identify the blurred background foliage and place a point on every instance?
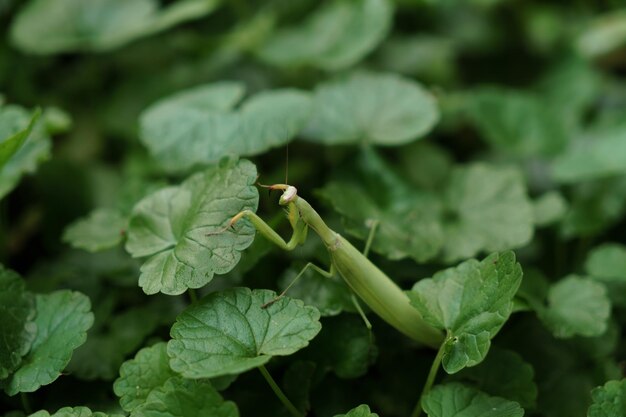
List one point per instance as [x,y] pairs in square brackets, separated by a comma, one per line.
[531,101]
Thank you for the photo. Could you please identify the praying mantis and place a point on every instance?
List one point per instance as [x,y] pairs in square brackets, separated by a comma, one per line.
[365,279]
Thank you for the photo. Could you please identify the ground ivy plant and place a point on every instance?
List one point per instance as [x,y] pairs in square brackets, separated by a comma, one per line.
[453,247]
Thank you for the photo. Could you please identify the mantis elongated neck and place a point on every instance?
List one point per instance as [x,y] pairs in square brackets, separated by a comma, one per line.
[315,222]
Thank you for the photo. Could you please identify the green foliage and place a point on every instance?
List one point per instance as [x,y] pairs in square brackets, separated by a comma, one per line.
[63,318]
[138,256]
[371,108]
[488,210]
[17,307]
[471,303]
[504,374]
[73,412]
[186,398]
[177,226]
[360,411]
[337,35]
[231,332]
[609,400]
[577,306]
[24,145]
[103,229]
[79,26]
[457,400]
[200,125]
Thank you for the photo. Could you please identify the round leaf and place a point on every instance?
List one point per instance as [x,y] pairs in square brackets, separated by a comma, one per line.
[200,126]
[488,210]
[609,400]
[518,122]
[149,370]
[173,227]
[360,411]
[63,318]
[45,28]
[457,400]
[17,309]
[471,302]
[335,36]
[185,398]
[601,154]
[102,229]
[73,412]
[607,262]
[382,109]
[230,332]
[577,306]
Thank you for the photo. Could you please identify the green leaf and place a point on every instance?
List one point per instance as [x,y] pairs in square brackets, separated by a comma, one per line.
[549,208]
[336,35]
[185,398]
[17,309]
[230,332]
[487,209]
[609,400]
[457,400]
[504,374]
[330,296]
[407,220]
[10,145]
[360,411]
[172,228]
[102,229]
[376,108]
[603,34]
[471,302]
[426,56]
[73,412]
[344,346]
[598,154]
[63,318]
[149,370]
[200,125]
[407,227]
[576,306]
[517,122]
[73,25]
[570,89]
[607,262]
[35,149]
[595,205]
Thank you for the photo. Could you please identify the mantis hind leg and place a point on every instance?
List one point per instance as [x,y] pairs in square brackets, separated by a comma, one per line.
[373,225]
[321,271]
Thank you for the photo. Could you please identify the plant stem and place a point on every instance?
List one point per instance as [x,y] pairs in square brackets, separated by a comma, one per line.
[25,403]
[279,393]
[192,295]
[429,380]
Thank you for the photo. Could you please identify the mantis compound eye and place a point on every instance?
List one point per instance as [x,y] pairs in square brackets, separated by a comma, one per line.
[288,195]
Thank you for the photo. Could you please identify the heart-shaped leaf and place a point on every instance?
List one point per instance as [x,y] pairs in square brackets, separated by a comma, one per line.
[470,302]
[231,332]
[173,228]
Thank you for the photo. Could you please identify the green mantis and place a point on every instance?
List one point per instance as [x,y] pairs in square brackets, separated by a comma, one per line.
[375,288]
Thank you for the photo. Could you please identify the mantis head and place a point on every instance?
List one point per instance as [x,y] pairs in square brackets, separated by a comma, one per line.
[288,196]
[289,192]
